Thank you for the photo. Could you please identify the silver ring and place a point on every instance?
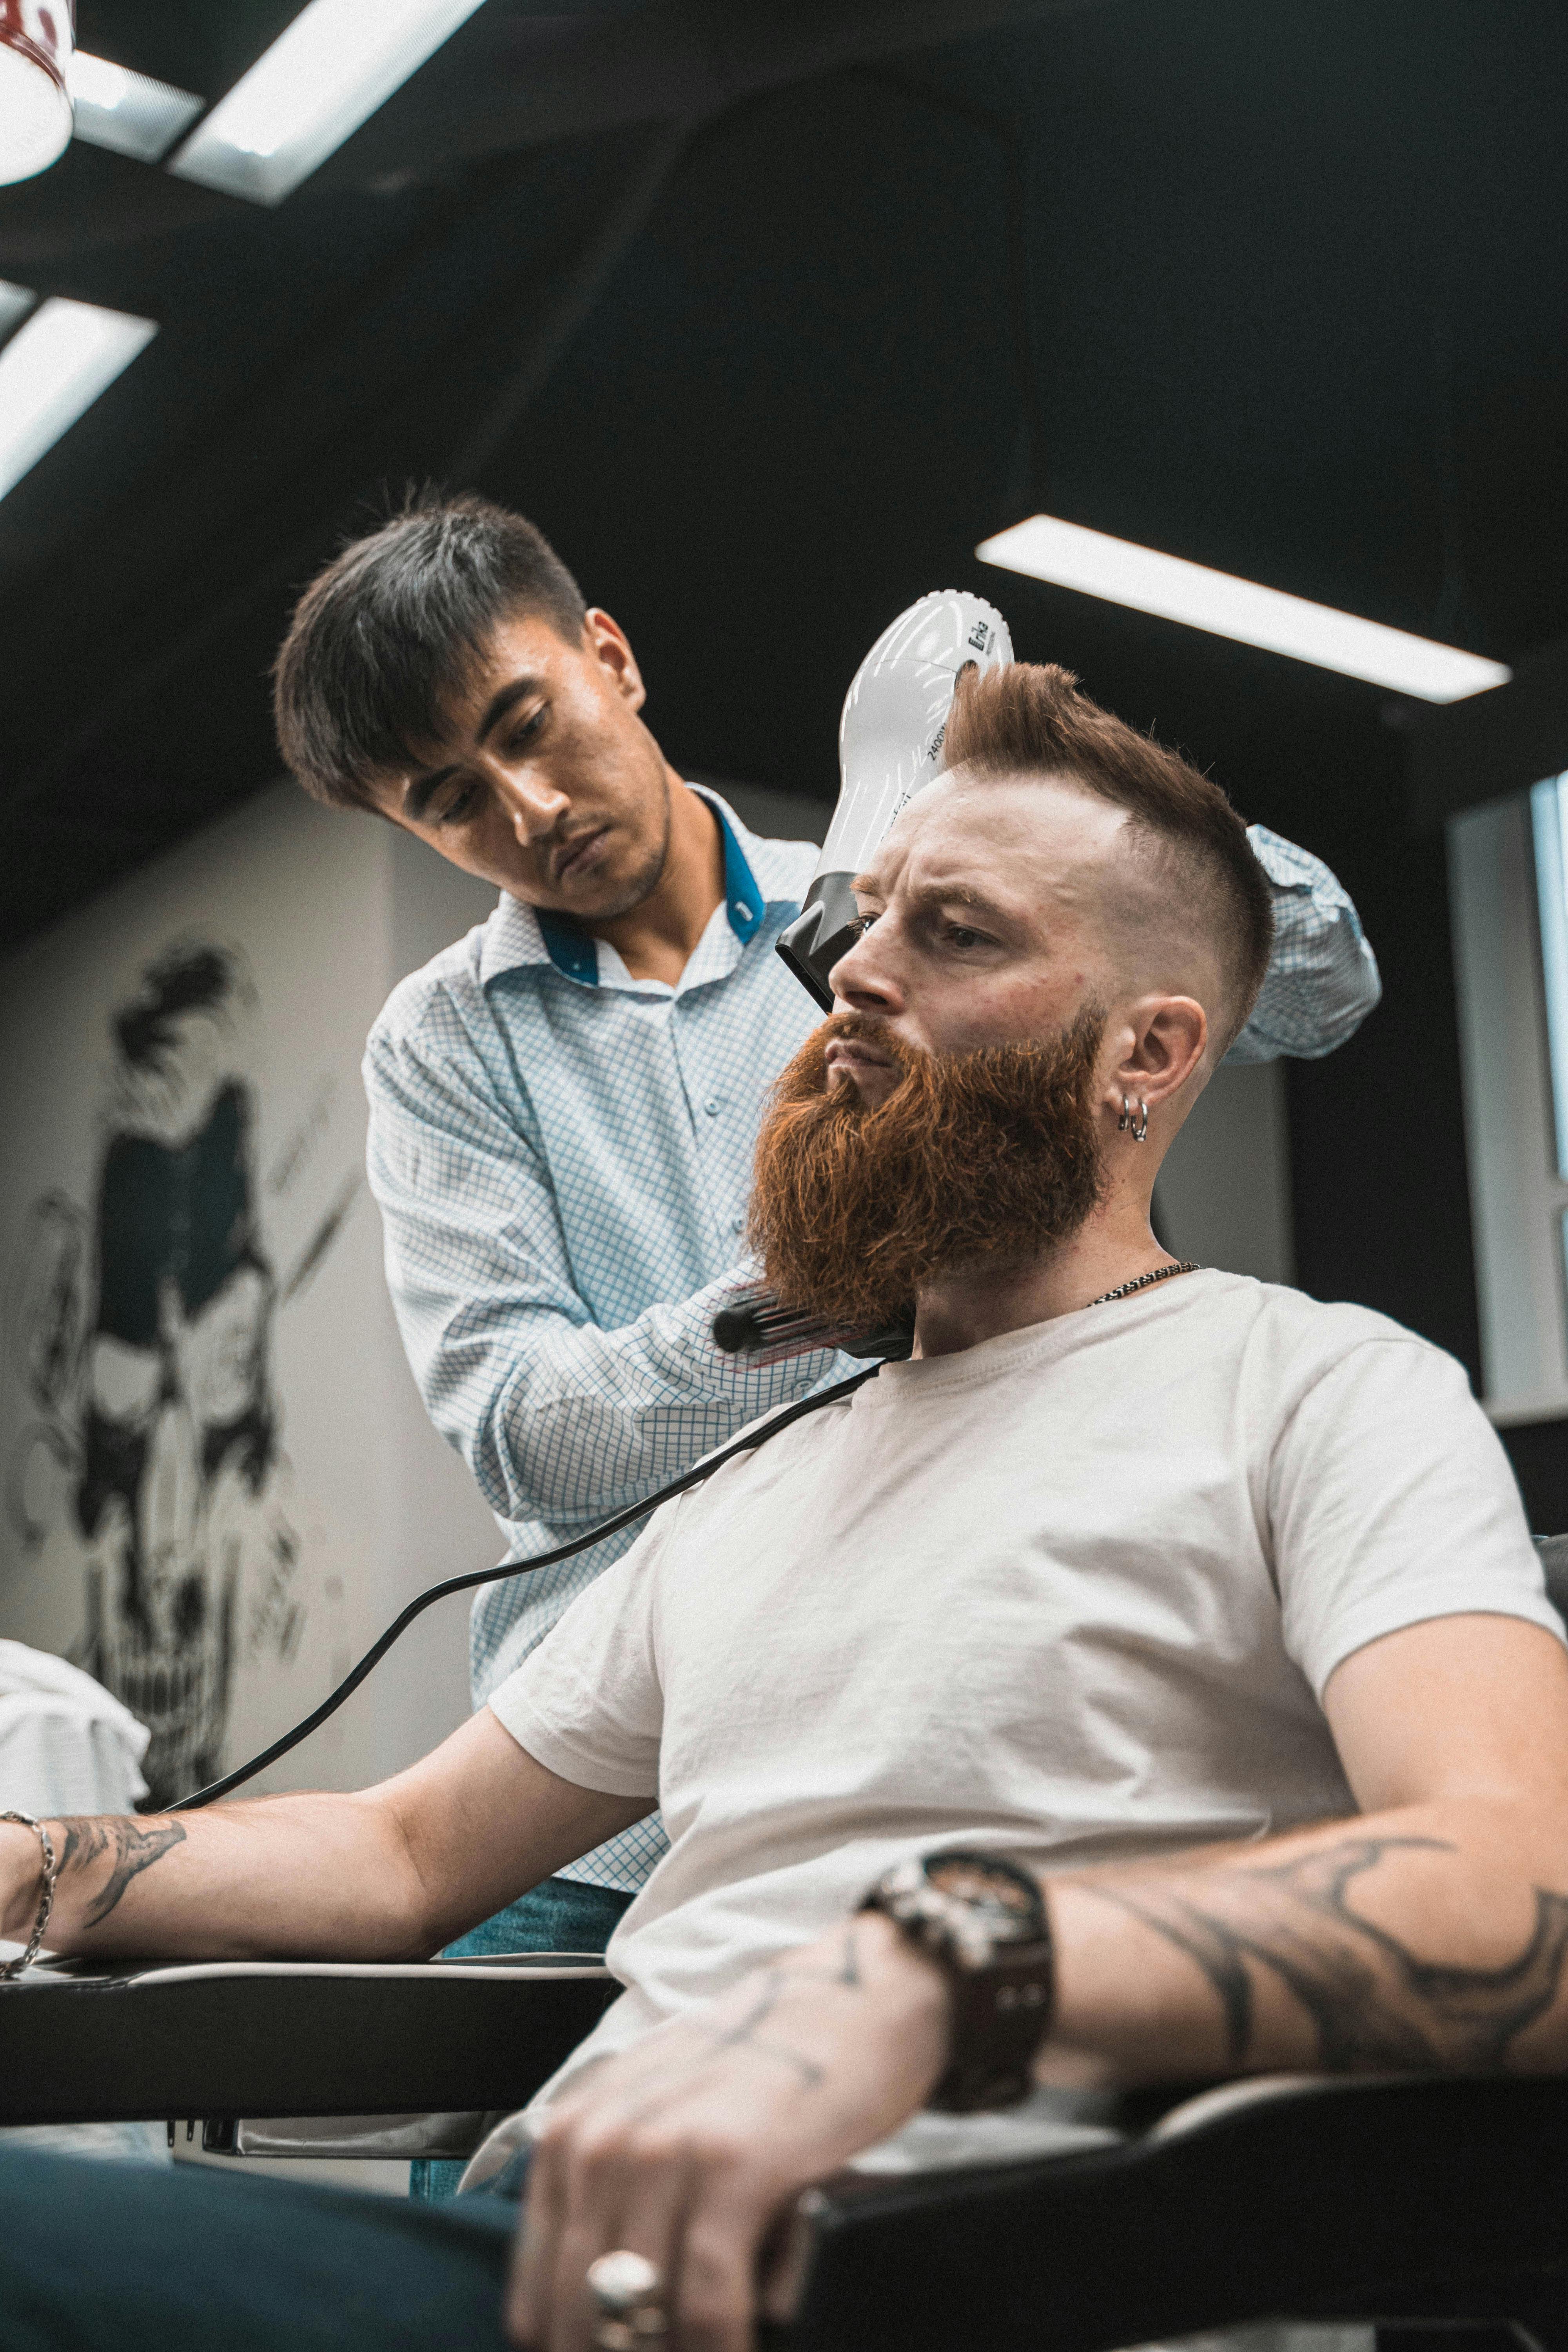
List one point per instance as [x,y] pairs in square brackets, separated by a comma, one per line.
[628,2294]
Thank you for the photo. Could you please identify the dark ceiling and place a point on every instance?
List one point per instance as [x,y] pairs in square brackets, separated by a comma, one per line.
[767,325]
[767,314]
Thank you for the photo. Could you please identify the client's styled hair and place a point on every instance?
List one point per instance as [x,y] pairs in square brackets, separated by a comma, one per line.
[1031,720]
[394,623]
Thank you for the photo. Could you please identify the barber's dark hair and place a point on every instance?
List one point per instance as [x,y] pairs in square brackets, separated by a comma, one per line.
[395,625]
[1033,720]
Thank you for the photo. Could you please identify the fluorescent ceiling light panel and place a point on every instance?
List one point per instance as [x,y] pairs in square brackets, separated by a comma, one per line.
[1071,557]
[128,111]
[325,75]
[52,369]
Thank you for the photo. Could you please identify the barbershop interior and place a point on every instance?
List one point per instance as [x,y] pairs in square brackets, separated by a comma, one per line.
[784,981]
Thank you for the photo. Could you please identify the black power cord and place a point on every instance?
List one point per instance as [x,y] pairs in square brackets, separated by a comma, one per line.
[635,1511]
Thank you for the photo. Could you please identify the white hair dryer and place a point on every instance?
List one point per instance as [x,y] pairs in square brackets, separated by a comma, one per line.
[889,748]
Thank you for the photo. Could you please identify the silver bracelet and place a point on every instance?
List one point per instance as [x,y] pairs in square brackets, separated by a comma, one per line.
[46,1901]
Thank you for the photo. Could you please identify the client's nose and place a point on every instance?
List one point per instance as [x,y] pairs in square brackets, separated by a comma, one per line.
[860,980]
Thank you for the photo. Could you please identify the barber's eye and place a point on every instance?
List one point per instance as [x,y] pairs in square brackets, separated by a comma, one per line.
[524,733]
[457,805]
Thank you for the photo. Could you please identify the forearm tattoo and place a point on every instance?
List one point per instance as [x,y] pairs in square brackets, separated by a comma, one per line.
[746,2032]
[130,1848]
[1371,2003]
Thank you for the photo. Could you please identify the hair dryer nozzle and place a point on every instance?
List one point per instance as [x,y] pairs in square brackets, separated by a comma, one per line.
[819,935]
[889,748]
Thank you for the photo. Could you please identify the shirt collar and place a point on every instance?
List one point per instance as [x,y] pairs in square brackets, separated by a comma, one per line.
[757,876]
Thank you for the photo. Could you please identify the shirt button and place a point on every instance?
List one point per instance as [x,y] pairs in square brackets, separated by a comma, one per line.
[713,1106]
[737,1224]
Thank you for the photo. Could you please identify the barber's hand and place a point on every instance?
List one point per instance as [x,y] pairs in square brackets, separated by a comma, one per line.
[686,2149]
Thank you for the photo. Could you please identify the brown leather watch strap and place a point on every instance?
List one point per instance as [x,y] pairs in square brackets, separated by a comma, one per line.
[984,1921]
[1001,2015]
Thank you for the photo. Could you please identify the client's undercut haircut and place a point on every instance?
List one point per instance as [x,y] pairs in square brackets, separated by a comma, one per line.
[395,625]
[1031,720]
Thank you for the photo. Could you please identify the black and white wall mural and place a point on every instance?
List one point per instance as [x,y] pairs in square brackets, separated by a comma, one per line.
[217,1481]
[142,1320]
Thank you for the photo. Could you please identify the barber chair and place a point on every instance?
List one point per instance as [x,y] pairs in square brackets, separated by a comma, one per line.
[1423,2206]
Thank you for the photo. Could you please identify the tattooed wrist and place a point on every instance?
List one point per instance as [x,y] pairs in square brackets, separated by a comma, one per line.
[839,1964]
[119,1847]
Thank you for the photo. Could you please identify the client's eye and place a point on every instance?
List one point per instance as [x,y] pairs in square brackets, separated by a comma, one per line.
[961,936]
[860,925]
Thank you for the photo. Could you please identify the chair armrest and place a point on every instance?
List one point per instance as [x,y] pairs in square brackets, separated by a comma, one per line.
[82,2042]
[1381,2200]
[377,2139]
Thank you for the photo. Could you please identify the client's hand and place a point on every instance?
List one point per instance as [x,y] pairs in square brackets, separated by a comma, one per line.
[686,2149]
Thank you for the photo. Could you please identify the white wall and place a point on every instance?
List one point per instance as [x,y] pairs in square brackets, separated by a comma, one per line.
[319,914]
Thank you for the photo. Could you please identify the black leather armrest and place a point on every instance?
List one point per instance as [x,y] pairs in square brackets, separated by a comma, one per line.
[86,2044]
[1297,2198]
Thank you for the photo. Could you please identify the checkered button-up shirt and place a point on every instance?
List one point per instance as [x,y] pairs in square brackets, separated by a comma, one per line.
[562,1155]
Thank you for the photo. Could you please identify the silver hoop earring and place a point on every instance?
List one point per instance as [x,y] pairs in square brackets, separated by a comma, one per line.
[1141,1124]
[1125,1122]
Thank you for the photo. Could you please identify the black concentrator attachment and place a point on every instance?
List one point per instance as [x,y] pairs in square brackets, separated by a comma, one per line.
[890,738]
[822,932]
[752,1323]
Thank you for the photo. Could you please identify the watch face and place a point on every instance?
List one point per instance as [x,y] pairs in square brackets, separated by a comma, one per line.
[1011,1905]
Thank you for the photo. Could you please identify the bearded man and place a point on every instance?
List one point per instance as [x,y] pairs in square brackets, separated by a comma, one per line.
[1151,1679]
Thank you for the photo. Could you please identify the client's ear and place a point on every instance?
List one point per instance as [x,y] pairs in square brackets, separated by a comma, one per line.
[1169,1036]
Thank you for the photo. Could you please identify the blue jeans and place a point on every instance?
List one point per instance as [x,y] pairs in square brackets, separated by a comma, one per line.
[560,1916]
[135,2258]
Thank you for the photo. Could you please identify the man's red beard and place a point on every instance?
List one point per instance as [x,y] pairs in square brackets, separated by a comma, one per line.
[981,1160]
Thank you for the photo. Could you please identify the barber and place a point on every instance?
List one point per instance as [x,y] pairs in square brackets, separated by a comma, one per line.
[564,1104]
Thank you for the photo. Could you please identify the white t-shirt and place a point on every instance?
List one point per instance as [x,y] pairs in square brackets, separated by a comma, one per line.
[1073,1593]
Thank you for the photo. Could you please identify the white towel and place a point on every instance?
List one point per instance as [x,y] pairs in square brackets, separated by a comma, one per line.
[67,1744]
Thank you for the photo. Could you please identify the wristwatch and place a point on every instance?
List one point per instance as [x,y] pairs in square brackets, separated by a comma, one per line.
[985,1922]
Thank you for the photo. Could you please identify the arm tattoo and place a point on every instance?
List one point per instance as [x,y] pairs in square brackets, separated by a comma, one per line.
[744,2034]
[130,1848]
[1371,2003]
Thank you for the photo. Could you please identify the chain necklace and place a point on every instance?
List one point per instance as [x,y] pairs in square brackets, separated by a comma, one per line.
[1142,1281]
